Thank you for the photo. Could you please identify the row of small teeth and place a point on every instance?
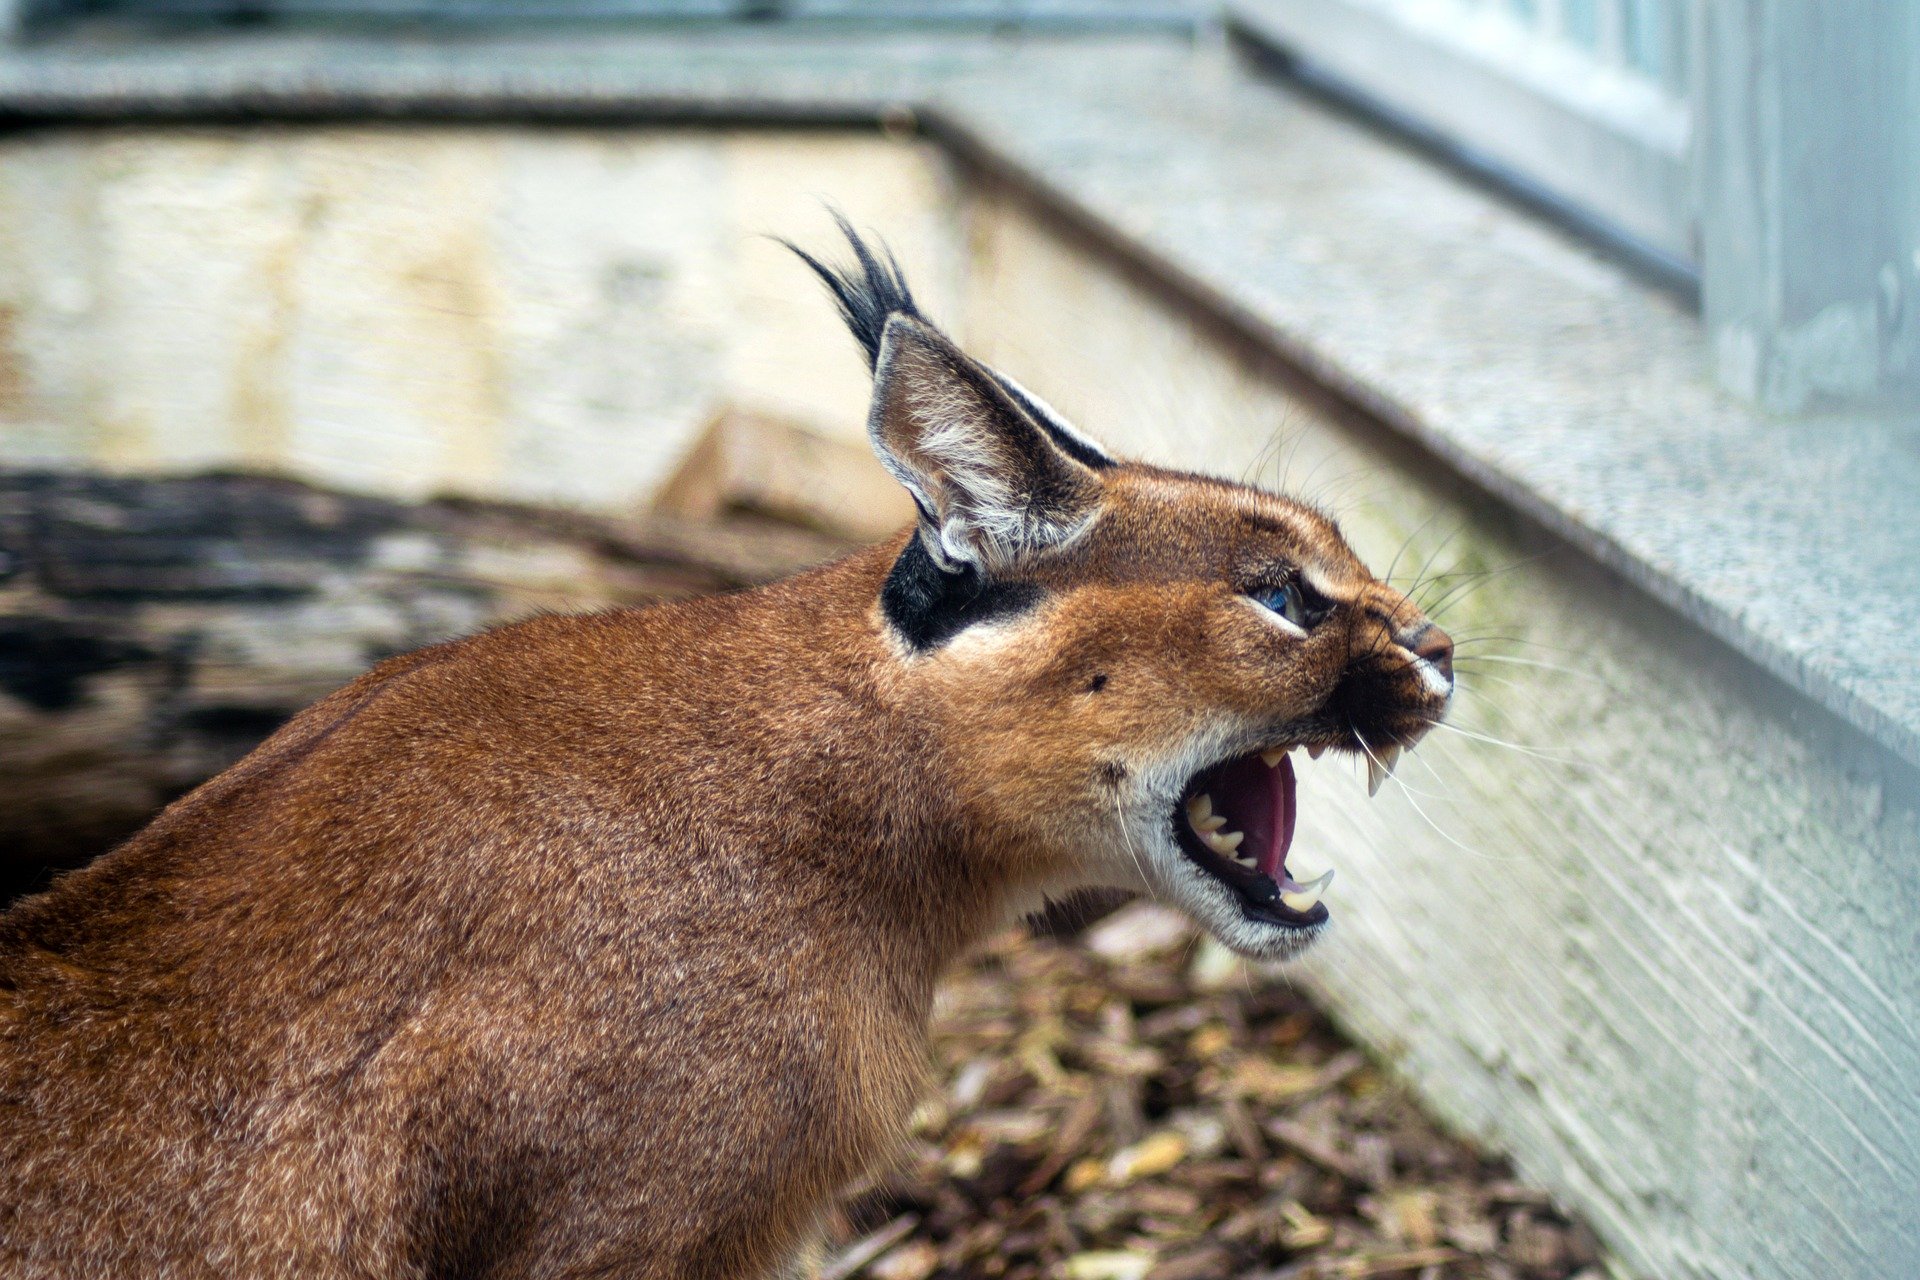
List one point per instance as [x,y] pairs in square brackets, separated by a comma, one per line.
[1380,764]
[1273,757]
[1206,824]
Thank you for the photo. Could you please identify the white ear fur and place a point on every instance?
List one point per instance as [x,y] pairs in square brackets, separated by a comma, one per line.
[992,488]
[1054,419]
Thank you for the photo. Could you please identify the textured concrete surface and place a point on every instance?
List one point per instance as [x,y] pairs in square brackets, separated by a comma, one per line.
[1662,946]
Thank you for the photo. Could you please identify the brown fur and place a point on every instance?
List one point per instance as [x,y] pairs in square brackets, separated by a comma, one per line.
[604,945]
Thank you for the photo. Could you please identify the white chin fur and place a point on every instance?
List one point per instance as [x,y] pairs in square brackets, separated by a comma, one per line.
[1216,909]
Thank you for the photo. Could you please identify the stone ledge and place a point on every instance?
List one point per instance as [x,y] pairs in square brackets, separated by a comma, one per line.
[1542,371]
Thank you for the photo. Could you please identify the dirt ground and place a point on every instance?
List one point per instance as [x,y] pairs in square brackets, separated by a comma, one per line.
[1134,1104]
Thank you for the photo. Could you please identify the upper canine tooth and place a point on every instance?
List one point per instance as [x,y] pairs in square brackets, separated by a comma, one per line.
[1200,808]
[1380,767]
[1315,752]
[1273,758]
[1225,843]
[1214,823]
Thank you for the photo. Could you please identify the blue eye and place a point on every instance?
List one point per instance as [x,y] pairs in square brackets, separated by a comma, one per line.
[1290,602]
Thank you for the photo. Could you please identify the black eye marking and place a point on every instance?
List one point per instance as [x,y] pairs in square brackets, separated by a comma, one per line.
[1098,683]
[1295,601]
[929,607]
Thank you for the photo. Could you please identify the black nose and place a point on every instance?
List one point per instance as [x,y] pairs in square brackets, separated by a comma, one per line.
[1433,644]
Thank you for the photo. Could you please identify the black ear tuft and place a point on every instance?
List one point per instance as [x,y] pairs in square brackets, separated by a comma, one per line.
[869,291]
[874,289]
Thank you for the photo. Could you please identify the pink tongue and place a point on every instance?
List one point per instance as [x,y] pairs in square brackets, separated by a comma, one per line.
[1260,802]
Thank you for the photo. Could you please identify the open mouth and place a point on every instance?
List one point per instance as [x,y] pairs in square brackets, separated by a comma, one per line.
[1236,823]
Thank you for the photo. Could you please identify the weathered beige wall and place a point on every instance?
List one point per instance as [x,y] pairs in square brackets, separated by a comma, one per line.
[1639,917]
[549,314]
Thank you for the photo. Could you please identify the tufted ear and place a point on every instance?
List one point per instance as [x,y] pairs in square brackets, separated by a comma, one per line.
[992,484]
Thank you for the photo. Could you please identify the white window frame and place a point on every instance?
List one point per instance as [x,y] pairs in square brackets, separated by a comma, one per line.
[1607,141]
[1772,162]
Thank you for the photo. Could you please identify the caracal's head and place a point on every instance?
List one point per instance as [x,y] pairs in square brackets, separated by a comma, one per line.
[1121,659]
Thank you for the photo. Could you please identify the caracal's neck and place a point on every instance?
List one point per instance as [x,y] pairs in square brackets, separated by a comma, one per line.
[915,856]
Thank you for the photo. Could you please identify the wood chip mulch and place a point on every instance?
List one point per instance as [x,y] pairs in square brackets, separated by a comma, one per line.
[1135,1104]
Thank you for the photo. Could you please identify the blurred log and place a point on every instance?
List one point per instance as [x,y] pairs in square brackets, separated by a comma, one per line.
[153,630]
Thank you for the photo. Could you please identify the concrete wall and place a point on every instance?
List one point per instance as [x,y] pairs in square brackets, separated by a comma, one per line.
[548,314]
[1637,916]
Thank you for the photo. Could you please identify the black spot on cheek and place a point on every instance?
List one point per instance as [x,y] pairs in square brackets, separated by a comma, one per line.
[1113,773]
[1098,683]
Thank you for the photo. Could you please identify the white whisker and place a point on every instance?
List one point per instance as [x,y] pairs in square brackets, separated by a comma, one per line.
[1523,641]
[1127,835]
[1447,836]
[1511,746]
[1532,662]
[1424,815]
[1460,590]
[1421,577]
[1407,542]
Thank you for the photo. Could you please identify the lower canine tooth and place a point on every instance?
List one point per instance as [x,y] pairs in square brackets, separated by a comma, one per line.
[1304,898]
